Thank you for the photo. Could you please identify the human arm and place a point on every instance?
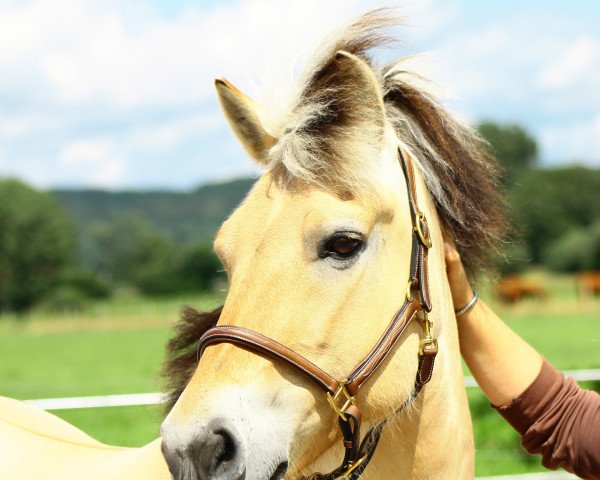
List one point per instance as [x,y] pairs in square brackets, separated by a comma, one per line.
[503,364]
[554,416]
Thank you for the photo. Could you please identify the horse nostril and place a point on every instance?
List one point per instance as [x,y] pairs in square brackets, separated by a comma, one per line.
[218,453]
[225,451]
[214,451]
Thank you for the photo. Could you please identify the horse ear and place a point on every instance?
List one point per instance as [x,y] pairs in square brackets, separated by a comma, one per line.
[347,84]
[240,112]
[360,81]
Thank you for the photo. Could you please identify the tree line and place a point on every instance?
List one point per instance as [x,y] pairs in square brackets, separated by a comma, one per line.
[46,256]
[554,211]
[64,247]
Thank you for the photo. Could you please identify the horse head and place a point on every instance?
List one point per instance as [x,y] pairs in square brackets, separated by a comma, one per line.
[318,257]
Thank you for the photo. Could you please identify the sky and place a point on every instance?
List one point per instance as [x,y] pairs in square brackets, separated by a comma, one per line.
[119,95]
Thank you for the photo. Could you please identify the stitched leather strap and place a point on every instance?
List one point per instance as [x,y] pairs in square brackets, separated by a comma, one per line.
[383,347]
[421,243]
[256,342]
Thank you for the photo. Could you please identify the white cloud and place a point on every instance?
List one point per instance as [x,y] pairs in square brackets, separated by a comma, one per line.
[96,161]
[85,152]
[107,175]
[596,126]
[102,90]
[15,127]
[170,133]
[489,42]
[579,142]
[573,63]
[86,52]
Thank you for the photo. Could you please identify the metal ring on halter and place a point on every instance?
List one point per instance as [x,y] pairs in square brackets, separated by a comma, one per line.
[420,222]
[468,306]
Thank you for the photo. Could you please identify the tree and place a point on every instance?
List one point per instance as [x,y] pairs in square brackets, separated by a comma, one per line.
[201,268]
[577,250]
[192,268]
[120,249]
[37,242]
[548,204]
[129,251]
[514,147]
[514,257]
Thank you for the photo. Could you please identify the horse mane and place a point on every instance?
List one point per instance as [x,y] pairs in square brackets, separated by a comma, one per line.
[182,351]
[458,168]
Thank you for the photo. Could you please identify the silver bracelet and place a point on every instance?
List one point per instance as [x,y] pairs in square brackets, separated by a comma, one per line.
[468,306]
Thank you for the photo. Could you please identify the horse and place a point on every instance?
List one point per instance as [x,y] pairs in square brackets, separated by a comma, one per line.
[37,444]
[320,258]
[513,288]
[334,261]
[588,284]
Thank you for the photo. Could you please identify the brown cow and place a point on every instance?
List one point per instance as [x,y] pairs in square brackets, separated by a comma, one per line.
[588,284]
[513,288]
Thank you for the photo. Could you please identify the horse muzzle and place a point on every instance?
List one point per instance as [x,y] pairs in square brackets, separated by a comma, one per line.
[218,450]
[214,452]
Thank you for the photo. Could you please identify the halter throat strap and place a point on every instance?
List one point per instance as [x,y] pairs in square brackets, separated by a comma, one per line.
[341,393]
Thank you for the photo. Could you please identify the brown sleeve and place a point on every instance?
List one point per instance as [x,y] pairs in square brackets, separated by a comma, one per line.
[558,419]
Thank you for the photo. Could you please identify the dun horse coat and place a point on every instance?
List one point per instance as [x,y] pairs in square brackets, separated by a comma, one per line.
[317,257]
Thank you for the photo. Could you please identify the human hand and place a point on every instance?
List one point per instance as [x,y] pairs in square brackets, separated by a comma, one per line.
[461,290]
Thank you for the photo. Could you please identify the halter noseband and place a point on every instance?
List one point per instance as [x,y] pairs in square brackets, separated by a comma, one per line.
[341,393]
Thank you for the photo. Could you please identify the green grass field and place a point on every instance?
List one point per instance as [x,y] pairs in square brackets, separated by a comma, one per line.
[117,347]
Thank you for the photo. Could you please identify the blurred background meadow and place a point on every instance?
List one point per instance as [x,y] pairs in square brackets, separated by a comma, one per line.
[116,169]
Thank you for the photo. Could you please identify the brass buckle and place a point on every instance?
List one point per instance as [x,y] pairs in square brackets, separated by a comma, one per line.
[354,466]
[422,219]
[428,345]
[334,400]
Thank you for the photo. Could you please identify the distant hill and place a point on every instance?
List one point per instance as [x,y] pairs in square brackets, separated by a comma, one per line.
[183,216]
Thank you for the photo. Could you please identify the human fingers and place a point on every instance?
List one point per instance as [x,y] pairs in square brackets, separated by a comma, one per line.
[460,287]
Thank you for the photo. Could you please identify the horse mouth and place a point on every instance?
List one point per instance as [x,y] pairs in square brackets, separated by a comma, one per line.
[279,472]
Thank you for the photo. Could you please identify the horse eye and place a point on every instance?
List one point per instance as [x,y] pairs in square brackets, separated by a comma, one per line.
[343,245]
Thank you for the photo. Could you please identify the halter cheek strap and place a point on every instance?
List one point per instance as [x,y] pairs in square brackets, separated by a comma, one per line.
[341,393]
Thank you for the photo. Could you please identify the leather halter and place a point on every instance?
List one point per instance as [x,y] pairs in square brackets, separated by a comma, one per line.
[341,393]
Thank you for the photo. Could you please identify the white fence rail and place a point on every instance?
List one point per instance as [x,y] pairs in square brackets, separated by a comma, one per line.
[156,398]
[95,402]
[532,476]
